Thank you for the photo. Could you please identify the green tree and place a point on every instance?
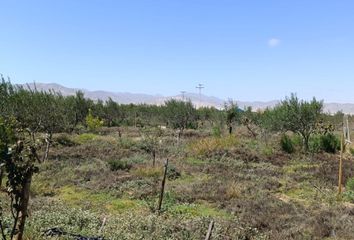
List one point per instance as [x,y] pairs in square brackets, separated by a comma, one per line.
[92,122]
[298,116]
[180,115]
[249,119]
[232,114]
[112,113]
[150,141]
[81,108]
[18,161]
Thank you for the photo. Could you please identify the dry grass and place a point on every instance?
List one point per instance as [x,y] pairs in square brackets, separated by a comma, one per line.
[147,172]
[211,145]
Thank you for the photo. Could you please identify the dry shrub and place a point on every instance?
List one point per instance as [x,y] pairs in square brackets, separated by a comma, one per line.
[234,190]
[94,149]
[270,215]
[328,168]
[212,145]
[147,172]
[323,224]
[192,133]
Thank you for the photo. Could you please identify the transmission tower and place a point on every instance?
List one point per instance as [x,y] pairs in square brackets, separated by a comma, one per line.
[183,95]
[200,87]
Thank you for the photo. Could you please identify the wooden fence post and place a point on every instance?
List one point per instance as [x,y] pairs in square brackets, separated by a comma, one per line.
[210,230]
[163,185]
[340,174]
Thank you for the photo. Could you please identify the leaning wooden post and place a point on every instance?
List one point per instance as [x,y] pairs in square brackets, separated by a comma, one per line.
[340,174]
[163,185]
[100,231]
[210,230]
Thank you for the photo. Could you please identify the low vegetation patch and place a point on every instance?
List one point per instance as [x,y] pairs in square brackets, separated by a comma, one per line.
[211,145]
[100,202]
[147,172]
[198,210]
[119,164]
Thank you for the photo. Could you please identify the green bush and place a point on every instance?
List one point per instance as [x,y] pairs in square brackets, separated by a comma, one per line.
[119,164]
[93,123]
[349,187]
[315,144]
[216,131]
[350,184]
[268,151]
[330,143]
[172,172]
[287,144]
[297,140]
[85,138]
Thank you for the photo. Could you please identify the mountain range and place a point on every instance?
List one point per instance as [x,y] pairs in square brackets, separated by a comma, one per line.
[198,100]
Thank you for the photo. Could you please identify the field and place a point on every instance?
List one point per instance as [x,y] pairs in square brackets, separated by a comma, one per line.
[103,184]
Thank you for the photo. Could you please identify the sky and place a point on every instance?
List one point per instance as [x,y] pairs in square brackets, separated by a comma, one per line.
[254,50]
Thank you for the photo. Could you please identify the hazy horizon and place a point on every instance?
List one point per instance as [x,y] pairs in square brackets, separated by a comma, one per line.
[196,94]
[248,51]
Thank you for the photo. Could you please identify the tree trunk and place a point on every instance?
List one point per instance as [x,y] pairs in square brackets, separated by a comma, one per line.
[230,129]
[179,134]
[306,143]
[153,157]
[254,135]
[23,209]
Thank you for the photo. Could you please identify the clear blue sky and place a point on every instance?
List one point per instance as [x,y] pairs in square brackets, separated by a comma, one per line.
[245,50]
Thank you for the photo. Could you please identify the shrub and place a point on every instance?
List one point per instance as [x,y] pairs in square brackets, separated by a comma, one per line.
[297,140]
[287,144]
[93,123]
[234,190]
[64,140]
[147,172]
[216,131]
[349,187]
[330,143]
[119,164]
[85,138]
[315,144]
[350,184]
[267,151]
[209,146]
[172,172]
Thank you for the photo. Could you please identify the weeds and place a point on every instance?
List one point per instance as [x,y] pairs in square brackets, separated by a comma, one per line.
[209,146]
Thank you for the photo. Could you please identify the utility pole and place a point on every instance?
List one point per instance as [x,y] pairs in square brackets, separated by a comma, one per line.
[183,95]
[200,87]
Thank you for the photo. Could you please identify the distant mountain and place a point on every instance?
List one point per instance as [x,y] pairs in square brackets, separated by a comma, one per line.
[126,98]
[137,98]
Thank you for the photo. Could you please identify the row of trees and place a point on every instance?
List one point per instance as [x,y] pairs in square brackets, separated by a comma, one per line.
[51,112]
[304,118]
